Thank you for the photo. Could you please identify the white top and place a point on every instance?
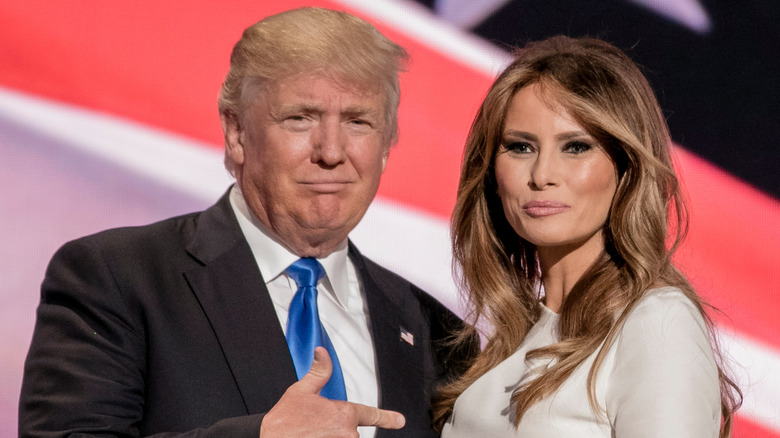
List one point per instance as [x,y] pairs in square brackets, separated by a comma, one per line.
[342,309]
[659,379]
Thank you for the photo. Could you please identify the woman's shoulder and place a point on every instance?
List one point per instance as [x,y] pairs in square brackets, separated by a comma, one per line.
[663,372]
[665,314]
[664,301]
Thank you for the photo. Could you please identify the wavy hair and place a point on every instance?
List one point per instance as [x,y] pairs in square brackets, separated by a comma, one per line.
[609,97]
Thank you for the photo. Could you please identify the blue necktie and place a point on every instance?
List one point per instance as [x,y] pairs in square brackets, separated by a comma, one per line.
[304,330]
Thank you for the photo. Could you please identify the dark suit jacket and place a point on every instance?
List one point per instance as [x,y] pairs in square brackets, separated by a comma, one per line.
[168,328]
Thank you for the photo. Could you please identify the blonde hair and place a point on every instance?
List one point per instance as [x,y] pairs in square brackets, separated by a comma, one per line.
[307,40]
[608,95]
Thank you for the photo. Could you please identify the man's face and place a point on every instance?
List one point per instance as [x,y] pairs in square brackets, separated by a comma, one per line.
[309,152]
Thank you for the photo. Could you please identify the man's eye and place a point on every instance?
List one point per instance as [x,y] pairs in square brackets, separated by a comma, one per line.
[359,126]
[361,122]
[577,147]
[297,122]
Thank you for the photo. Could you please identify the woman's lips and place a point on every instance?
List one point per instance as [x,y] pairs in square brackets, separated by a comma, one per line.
[544,208]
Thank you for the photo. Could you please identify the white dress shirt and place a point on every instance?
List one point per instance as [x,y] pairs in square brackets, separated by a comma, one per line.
[659,379]
[341,303]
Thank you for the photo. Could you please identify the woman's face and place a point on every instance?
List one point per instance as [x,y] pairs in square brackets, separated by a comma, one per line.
[555,181]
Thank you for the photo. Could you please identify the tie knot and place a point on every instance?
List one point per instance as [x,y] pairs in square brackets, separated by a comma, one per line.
[306,272]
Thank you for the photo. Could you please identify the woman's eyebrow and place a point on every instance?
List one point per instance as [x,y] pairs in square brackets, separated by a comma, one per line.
[570,135]
[520,135]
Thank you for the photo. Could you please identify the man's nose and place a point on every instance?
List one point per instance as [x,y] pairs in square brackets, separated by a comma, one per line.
[329,143]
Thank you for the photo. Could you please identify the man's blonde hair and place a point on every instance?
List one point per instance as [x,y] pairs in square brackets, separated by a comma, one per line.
[314,40]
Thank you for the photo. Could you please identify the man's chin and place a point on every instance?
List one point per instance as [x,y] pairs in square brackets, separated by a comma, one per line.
[318,240]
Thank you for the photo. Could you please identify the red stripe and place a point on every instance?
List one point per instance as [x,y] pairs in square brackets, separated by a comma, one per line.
[732,254]
[161,63]
[744,428]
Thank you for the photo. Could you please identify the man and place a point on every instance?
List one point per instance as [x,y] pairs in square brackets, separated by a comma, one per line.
[186,326]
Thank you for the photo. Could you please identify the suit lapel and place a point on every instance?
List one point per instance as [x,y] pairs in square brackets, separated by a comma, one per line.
[234,298]
[399,362]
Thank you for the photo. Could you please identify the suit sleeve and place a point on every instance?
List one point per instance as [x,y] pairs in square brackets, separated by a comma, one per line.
[665,381]
[84,373]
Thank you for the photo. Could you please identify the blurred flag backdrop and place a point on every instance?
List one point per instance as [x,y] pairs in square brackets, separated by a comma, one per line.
[108,117]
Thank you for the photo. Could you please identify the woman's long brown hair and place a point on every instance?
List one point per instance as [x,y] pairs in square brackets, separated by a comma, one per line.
[608,95]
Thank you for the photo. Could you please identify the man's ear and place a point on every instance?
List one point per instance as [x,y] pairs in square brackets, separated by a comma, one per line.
[231,127]
[385,156]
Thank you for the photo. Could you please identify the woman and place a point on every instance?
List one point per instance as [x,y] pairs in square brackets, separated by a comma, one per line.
[560,229]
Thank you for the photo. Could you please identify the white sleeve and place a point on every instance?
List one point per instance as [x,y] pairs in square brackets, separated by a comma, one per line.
[664,381]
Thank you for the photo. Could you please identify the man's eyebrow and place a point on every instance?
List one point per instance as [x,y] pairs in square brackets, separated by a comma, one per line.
[299,107]
[359,110]
[350,111]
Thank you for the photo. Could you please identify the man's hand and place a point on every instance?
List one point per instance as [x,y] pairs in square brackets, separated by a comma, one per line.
[301,412]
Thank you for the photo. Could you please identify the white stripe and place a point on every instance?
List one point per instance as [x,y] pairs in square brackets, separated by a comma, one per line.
[413,244]
[185,164]
[689,13]
[467,14]
[756,367]
[421,24]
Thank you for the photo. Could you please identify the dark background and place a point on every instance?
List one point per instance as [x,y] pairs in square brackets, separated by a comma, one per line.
[720,90]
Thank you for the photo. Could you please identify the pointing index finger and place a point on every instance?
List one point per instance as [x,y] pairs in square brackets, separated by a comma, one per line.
[384,419]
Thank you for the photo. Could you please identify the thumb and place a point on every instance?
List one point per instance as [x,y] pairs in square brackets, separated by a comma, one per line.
[318,375]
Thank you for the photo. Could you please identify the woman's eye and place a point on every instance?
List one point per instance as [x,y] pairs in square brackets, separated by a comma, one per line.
[518,147]
[577,147]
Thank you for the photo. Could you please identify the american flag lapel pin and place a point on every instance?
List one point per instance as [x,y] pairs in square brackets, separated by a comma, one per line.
[407,336]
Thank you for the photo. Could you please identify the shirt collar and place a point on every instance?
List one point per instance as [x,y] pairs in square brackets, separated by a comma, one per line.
[273,257]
